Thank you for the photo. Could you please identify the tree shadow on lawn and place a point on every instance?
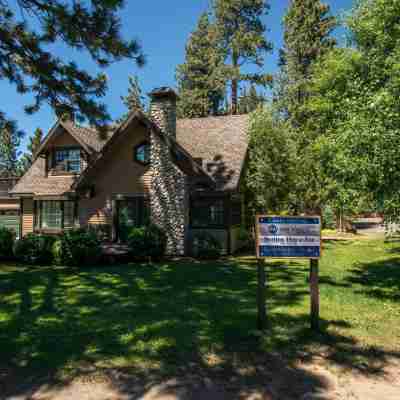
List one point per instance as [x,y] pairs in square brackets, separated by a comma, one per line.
[142,324]
[379,279]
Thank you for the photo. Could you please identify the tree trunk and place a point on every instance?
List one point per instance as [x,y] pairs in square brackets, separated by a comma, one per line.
[235,85]
[234,96]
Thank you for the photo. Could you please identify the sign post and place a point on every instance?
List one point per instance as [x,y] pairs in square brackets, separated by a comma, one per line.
[261,297]
[288,237]
[314,290]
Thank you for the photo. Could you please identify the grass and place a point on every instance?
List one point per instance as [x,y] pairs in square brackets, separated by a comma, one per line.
[167,316]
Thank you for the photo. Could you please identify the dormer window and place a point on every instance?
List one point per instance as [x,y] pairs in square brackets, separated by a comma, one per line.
[67,160]
[141,153]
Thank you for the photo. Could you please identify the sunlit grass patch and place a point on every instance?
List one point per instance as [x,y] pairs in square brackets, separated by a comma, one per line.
[168,315]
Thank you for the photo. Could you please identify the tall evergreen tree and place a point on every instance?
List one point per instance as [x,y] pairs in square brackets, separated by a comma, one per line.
[10,138]
[27,61]
[308,25]
[34,142]
[201,85]
[250,100]
[242,33]
[134,100]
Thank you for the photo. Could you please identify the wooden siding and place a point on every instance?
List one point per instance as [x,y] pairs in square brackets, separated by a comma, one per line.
[9,205]
[118,174]
[27,216]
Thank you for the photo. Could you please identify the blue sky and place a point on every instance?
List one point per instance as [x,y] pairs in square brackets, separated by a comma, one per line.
[162,28]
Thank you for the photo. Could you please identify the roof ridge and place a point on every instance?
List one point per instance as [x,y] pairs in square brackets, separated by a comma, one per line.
[213,117]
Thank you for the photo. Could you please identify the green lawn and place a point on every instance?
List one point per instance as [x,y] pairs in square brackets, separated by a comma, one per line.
[167,316]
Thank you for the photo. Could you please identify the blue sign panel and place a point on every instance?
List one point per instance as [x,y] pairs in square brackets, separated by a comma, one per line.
[292,237]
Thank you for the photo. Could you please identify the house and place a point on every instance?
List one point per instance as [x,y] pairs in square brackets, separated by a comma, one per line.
[183,175]
[9,206]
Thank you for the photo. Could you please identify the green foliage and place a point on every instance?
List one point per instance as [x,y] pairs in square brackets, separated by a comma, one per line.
[77,247]
[7,238]
[134,100]
[271,167]
[328,218]
[26,59]
[35,249]
[206,246]
[355,106]
[147,241]
[242,33]
[308,25]
[10,138]
[33,145]
[250,100]
[201,85]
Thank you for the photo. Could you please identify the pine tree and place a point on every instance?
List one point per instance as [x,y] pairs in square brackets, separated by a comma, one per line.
[10,139]
[242,33]
[308,25]
[250,100]
[27,61]
[134,100]
[201,85]
[34,142]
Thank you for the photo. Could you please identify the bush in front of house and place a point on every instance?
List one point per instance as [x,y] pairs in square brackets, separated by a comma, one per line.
[328,218]
[147,241]
[35,249]
[77,247]
[7,239]
[206,246]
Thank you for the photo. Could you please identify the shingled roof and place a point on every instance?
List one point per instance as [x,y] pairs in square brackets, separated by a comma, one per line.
[221,143]
[88,135]
[35,182]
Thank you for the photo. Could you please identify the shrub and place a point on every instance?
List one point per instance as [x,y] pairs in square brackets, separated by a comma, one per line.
[77,247]
[246,239]
[328,218]
[206,246]
[35,249]
[7,238]
[149,241]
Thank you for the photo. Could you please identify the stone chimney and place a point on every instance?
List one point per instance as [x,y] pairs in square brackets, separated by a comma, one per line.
[168,189]
[163,109]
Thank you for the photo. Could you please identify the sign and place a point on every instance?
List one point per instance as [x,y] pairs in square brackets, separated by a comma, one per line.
[288,237]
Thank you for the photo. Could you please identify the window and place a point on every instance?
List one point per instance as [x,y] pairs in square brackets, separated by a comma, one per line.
[207,213]
[51,215]
[141,153]
[132,212]
[69,214]
[68,160]
[55,214]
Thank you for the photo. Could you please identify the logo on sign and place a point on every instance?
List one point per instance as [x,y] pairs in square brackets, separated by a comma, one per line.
[273,229]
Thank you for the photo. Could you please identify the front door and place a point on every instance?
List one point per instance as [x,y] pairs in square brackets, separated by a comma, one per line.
[132,213]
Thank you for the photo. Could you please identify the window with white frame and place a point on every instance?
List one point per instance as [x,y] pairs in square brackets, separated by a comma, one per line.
[55,215]
[68,160]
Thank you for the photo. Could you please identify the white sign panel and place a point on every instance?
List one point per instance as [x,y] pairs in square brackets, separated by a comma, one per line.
[293,237]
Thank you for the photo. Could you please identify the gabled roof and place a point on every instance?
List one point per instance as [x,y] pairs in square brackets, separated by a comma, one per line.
[89,136]
[35,182]
[191,166]
[221,143]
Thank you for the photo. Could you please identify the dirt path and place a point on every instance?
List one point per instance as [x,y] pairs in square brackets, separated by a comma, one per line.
[276,382]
